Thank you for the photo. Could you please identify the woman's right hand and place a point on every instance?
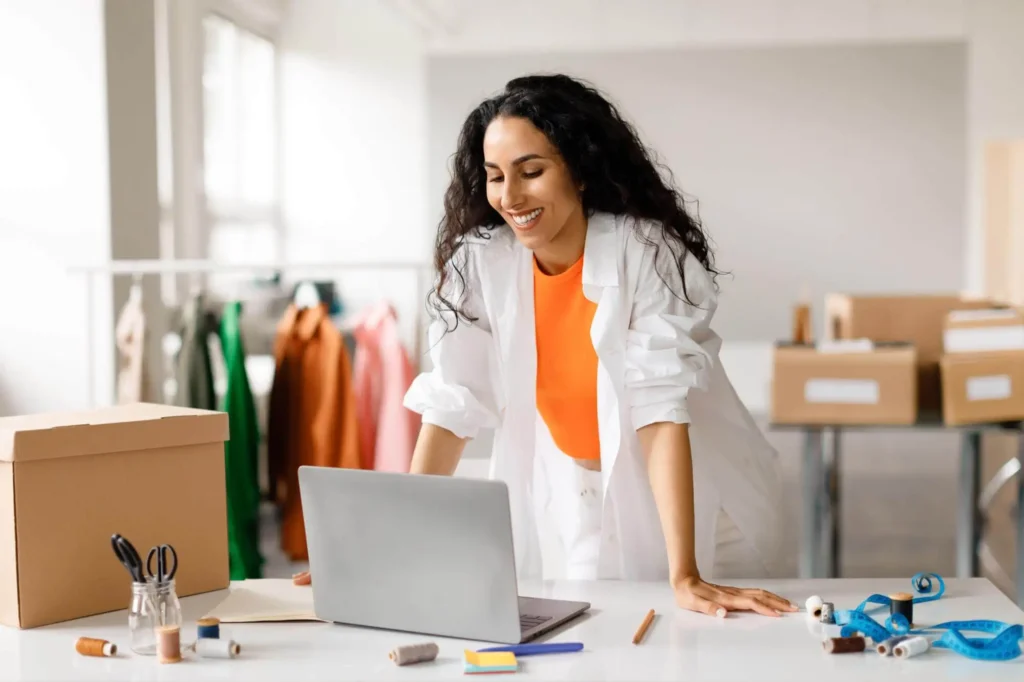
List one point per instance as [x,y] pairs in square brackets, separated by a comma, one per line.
[303,578]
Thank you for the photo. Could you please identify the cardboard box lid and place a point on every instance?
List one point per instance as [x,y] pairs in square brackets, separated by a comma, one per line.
[983,317]
[861,351]
[121,428]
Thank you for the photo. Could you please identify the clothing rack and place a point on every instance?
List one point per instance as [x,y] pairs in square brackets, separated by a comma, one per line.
[139,268]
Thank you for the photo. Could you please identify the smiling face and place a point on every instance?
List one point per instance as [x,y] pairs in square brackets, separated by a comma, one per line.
[529,184]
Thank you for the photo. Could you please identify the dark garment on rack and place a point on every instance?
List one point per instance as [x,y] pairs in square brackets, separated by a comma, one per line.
[241,453]
[193,370]
[312,416]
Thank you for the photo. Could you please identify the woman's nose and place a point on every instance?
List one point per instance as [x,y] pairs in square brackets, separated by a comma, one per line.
[511,196]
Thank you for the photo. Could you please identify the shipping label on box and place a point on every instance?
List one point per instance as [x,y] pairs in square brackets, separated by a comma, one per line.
[856,383]
[983,387]
[973,331]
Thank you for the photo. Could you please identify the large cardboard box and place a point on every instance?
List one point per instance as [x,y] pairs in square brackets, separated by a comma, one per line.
[918,320]
[69,481]
[982,387]
[863,384]
[983,368]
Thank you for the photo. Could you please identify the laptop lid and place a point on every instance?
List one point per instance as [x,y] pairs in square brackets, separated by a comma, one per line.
[425,554]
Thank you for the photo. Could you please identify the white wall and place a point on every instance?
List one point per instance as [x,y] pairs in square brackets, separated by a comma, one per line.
[354,144]
[54,199]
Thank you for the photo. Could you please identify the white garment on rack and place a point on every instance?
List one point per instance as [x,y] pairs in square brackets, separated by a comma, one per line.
[130,337]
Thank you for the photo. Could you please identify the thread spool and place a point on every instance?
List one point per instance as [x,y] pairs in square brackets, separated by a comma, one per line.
[843,645]
[813,606]
[208,628]
[885,648]
[911,647]
[209,647]
[90,646]
[828,613]
[413,653]
[903,604]
[802,324]
[168,644]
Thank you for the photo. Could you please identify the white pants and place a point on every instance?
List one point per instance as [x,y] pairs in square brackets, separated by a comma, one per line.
[571,524]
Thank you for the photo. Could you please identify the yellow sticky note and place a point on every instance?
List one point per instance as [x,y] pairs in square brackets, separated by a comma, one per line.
[489,660]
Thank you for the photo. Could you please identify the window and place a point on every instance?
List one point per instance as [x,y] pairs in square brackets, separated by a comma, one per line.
[239,145]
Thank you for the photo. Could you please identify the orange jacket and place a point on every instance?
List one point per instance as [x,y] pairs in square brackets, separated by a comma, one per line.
[312,418]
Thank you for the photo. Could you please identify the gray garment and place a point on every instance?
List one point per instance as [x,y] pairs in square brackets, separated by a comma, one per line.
[193,370]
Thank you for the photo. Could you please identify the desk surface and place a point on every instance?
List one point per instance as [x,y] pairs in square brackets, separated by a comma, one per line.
[679,646]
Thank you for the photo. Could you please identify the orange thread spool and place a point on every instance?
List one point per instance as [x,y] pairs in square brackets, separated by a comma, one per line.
[168,644]
[90,646]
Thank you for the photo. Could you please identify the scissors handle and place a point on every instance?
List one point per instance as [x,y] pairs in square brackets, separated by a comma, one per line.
[164,572]
[128,556]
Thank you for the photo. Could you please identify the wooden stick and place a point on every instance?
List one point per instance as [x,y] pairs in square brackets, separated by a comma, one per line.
[642,630]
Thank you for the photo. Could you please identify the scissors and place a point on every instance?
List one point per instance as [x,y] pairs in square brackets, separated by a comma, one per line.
[164,571]
[128,556]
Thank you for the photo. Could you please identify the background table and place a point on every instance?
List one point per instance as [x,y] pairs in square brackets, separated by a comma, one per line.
[680,645]
[820,546]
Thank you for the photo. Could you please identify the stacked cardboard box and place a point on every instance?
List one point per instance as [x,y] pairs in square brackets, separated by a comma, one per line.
[879,363]
[918,320]
[844,383]
[983,366]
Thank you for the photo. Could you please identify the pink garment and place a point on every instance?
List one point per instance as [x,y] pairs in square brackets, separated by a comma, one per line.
[382,375]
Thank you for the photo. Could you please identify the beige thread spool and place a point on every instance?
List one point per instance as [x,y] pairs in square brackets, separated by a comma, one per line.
[207,647]
[90,646]
[168,644]
[414,653]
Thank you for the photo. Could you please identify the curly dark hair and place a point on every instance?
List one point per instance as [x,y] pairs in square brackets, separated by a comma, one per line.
[604,155]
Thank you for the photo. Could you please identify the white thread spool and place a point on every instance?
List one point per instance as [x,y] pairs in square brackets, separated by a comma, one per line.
[813,605]
[207,647]
[911,647]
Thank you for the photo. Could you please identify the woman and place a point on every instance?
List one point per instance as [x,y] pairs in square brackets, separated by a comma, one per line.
[573,317]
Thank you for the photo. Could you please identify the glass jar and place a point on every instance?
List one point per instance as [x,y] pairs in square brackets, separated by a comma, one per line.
[153,605]
[143,618]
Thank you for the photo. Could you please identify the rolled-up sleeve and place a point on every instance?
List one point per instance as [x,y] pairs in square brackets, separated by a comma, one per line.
[459,392]
[666,356]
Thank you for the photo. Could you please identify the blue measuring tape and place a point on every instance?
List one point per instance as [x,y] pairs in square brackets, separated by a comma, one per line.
[1004,645]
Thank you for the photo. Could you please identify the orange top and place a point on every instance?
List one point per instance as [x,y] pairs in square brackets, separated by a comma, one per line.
[566,361]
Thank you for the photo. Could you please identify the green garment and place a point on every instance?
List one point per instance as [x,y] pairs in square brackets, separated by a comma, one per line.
[240,453]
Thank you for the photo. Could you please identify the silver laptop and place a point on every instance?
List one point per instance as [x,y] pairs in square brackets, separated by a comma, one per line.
[425,554]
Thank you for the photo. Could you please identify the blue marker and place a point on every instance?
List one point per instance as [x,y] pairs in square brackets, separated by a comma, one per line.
[533,649]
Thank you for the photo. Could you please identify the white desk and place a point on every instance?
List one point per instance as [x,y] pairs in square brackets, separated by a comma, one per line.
[679,645]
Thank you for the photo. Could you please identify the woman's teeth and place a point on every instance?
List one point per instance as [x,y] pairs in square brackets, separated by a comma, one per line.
[527,217]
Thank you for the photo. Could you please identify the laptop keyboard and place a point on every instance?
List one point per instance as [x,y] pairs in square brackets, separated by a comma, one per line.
[529,622]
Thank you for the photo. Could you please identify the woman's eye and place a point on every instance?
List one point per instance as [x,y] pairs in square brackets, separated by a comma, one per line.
[496,178]
[532,174]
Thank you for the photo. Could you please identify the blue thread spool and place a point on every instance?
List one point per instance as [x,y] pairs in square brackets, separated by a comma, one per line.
[208,628]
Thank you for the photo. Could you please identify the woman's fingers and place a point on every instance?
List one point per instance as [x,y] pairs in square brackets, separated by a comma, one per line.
[303,578]
[772,600]
[707,606]
[743,601]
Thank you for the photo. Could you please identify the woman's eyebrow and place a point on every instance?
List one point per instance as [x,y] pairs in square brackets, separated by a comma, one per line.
[522,159]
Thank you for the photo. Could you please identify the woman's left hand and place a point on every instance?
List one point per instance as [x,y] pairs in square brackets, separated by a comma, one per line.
[716,600]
